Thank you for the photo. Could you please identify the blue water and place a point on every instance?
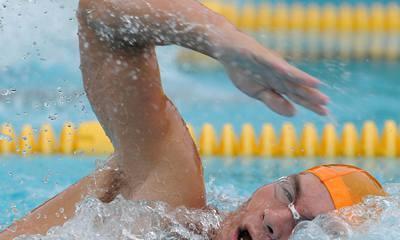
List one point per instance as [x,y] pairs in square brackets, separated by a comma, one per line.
[27,182]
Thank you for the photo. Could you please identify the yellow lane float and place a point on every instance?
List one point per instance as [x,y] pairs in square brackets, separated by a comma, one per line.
[313,31]
[89,138]
[376,17]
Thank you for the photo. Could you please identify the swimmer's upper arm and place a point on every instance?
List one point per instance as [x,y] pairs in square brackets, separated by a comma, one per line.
[153,146]
[136,23]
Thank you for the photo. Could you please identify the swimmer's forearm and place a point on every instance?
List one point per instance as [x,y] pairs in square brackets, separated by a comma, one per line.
[52,213]
[140,22]
[104,184]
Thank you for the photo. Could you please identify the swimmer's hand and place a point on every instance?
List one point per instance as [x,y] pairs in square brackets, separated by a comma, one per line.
[261,74]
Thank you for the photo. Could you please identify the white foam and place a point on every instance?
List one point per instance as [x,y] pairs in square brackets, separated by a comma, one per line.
[123,219]
[375,218]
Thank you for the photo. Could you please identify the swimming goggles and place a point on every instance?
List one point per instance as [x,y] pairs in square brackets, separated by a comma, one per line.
[287,196]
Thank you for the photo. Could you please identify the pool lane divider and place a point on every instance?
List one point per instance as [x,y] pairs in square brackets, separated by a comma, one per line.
[313,31]
[89,139]
[345,17]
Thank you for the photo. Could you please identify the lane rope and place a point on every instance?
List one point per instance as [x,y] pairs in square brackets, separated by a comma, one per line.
[88,138]
[376,17]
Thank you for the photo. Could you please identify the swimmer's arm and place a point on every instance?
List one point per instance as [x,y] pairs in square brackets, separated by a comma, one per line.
[103,184]
[255,70]
[158,22]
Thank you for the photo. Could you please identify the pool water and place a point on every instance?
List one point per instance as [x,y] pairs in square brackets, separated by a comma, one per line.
[40,82]
[27,182]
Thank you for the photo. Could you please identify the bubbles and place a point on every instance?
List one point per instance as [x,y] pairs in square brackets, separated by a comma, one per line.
[6,138]
[323,227]
[226,198]
[309,230]
[7,92]
[53,116]
[123,219]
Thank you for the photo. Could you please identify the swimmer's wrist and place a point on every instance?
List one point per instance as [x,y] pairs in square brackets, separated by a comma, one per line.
[229,41]
[210,39]
[224,40]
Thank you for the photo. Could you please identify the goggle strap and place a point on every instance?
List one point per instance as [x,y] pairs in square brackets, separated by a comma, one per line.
[295,213]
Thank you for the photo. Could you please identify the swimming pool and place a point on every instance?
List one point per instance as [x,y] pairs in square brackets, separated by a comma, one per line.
[27,182]
[40,82]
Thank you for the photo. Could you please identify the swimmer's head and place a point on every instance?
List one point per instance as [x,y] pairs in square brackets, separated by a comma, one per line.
[347,185]
[275,209]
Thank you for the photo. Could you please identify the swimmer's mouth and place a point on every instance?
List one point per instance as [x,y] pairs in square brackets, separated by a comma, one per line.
[244,234]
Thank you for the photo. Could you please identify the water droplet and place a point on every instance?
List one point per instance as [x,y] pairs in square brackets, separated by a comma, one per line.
[5,138]
[14,209]
[46,179]
[53,116]
[7,92]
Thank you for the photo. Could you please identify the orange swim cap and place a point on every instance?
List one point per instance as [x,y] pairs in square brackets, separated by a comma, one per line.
[346,184]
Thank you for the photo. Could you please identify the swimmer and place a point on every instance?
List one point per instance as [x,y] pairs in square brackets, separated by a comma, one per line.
[155,158]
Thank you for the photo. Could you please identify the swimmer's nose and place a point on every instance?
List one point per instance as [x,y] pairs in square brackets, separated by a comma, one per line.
[276,223]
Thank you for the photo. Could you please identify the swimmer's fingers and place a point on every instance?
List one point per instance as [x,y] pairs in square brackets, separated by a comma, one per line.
[269,97]
[317,108]
[297,76]
[287,71]
[308,94]
[276,102]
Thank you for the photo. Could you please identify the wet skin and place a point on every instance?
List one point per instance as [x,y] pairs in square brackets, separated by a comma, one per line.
[266,214]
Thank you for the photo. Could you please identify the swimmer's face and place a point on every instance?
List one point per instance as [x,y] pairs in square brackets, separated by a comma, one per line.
[266,214]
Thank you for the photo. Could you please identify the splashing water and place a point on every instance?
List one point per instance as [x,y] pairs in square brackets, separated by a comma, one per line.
[123,219]
[145,220]
[7,92]
[375,218]
[5,138]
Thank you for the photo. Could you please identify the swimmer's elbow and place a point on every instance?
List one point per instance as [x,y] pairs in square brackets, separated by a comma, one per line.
[109,24]
[93,14]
